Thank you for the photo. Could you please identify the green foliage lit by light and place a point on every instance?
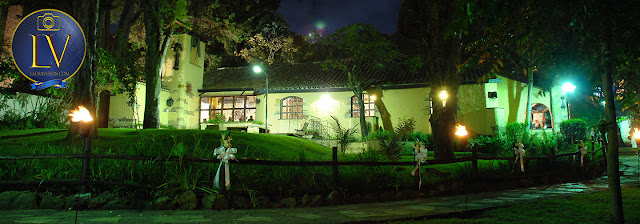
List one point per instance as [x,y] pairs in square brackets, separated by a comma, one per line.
[574,130]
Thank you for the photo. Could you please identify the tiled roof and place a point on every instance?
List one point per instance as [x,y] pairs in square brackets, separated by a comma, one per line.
[300,76]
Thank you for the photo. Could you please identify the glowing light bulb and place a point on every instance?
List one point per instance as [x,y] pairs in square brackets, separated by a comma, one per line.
[568,87]
[443,95]
[257,69]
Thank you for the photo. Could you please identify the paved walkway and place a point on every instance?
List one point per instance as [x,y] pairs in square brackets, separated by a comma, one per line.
[334,214]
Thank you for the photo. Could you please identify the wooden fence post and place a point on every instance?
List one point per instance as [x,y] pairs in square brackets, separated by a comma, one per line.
[86,163]
[578,156]
[603,143]
[335,166]
[474,161]
[553,157]
[604,150]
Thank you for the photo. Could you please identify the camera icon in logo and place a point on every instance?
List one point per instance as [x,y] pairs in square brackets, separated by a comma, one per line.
[48,22]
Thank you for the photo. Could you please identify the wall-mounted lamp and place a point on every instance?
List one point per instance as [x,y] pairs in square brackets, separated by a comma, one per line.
[177,48]
[443,96]
[170,102]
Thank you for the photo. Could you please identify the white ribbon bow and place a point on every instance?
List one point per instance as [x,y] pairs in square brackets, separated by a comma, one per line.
[420,157]
[421,154]
[224,155]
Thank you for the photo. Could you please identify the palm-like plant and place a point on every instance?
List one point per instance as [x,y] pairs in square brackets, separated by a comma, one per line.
[344,135]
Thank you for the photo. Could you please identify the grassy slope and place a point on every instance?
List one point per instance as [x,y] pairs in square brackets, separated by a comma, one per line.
[584,208]
[160,143]
[121,141]
[25,131]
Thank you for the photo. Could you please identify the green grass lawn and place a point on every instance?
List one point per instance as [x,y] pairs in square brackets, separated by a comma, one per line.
[583,208]
[25,131]
[200,143]
[275,180]
[160,142]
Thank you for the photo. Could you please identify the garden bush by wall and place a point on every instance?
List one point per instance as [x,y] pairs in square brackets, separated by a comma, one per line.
[574,130]
[26,111]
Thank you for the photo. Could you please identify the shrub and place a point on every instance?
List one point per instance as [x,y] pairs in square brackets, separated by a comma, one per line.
[487,144]
[391,143]
[28,111]
[426,139]
[574,130]
[515,131]
[543,144]
[394,147]
[379,135]
[344,135]
[405,126]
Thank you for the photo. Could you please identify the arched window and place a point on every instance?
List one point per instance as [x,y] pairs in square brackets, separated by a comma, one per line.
[540,117]
[291,108]
[369,106]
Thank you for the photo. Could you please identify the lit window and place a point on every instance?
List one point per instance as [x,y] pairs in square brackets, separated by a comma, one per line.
[228,108]
[369,106]
[291,108]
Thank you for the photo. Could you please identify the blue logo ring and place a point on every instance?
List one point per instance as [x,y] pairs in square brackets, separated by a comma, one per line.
[48,47]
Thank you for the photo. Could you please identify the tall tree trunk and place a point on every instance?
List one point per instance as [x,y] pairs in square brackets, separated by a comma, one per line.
[153,35]
[442,57]
[84,81]
[155,53]
[130,14]
[363,122]
[527,119]
[4,10]
[615,195]
[443,121]
[384,113]
[553,109]
[104,31]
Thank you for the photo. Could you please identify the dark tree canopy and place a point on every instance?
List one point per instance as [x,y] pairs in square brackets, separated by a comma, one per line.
[356,50]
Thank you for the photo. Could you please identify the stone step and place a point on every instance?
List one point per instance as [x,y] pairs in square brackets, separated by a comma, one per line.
[628,151]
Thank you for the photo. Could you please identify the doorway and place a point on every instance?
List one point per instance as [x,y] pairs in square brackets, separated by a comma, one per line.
[103,108]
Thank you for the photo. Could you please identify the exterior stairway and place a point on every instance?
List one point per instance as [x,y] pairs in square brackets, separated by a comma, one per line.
[628,151]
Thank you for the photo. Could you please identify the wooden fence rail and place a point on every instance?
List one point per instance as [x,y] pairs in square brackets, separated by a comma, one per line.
[334,163]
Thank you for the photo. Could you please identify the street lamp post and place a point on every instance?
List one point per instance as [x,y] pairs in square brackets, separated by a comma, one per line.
[568,88]
[257,69]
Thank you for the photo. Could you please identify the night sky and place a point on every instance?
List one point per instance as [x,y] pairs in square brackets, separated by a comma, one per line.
[304,15]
